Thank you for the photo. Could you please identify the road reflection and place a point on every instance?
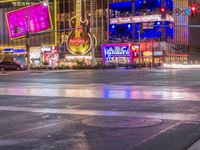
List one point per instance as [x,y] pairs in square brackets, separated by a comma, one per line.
[107,92]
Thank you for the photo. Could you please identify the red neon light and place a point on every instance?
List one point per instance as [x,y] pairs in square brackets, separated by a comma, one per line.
[193,8]
[77,41]
[162,10]
[180,55]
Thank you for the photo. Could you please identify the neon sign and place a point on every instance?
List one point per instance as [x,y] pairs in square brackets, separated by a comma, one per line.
[18,4]
[119,50]
[182,11]
[139,19]
[79,41]
[14,51]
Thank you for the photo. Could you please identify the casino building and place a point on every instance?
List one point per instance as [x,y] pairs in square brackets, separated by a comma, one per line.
[110,31]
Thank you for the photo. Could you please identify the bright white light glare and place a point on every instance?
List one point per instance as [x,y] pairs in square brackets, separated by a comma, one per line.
[45,3]
[79,57]
[158,23]
[181,66]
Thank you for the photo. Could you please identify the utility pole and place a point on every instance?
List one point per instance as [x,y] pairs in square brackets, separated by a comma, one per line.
[139,50]
[27,41]
[92,23]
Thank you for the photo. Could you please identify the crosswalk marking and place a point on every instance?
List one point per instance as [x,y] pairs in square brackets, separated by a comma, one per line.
[156,115]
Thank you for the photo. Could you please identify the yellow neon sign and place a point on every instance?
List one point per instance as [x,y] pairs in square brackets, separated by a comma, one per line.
[79,41]
[5,1]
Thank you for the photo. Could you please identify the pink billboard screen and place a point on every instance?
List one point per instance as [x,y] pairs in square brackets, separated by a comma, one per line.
[36,16]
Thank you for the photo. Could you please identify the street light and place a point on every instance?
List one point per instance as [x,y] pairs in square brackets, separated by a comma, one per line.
[45,3]
[139,53]
[27,41]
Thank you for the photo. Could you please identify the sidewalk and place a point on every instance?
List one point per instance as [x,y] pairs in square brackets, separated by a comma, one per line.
[195,146]
[33,72]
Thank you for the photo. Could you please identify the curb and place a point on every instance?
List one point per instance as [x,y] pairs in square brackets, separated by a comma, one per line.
[33,71]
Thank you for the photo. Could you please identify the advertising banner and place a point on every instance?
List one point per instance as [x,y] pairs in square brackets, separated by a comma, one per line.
[31,19]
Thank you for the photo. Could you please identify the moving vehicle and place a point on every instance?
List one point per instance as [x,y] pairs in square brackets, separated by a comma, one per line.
[11,66]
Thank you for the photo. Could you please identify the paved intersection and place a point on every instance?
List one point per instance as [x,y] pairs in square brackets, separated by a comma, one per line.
[107,109]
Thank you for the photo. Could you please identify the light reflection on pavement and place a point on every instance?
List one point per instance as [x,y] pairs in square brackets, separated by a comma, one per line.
[105,91]
[171,116]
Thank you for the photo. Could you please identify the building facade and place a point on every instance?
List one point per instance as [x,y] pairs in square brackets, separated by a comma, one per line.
[140,23]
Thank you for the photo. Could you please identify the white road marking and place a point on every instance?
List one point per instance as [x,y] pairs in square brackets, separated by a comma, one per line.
[42,127]
[155,135]
[168,116]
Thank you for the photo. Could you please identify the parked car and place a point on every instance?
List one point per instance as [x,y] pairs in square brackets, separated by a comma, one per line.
[11,66]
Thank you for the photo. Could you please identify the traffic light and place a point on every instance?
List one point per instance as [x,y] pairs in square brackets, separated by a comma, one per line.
[163,12]
[194,10]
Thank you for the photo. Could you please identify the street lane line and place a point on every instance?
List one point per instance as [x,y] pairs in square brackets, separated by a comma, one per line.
[168,116]
[42,127]
[155,135]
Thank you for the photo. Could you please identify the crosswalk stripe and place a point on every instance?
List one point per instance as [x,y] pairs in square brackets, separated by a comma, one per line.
[169,116]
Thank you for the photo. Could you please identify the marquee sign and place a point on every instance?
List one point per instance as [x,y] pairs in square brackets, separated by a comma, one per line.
[139,19]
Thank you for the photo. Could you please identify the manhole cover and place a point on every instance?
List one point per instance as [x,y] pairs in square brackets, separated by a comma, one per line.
[119,122]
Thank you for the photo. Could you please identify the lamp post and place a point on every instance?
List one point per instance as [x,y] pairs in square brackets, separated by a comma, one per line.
[92,12]
[139,51]
[27,41]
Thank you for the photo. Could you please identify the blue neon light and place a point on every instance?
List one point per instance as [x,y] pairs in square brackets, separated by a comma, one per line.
[116,51]
[140,4]
[158,23]
[121,6]
[120,31]
[12,50]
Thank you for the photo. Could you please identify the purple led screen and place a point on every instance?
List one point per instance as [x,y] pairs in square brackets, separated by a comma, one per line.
[37,16]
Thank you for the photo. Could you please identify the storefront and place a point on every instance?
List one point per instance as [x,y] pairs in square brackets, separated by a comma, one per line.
[14,54]
[35,56]
[50,55]
[176,58]
[84,60]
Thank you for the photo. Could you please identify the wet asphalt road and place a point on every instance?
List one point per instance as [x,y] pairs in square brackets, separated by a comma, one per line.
[100,110]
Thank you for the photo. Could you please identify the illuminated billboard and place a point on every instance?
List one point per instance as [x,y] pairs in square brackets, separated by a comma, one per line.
[32,19]
[117,52]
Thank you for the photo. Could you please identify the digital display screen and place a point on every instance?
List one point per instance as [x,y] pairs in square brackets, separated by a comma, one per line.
[32,19]
[117,51]
[111,50]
